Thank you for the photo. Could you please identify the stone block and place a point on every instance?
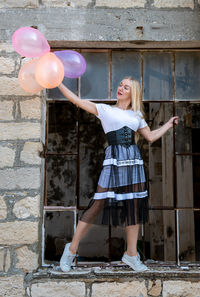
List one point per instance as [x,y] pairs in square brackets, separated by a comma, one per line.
[181,289]
[10,86]
[3,208]
[78,3]
[59,289]
[154,288]
[174,4]
[13,131]
[26,259]
[7,261]
[22,178]
[121,3]
[1,259]
[61,3]
[27,207]
[12,286]
[31,109]
[6,47]
[7,65]
[18,232]
[7,156]
[30,153]
[6,109]
[114,289]
[19,4]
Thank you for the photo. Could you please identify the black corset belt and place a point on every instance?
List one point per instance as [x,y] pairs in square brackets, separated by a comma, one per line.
[124,136]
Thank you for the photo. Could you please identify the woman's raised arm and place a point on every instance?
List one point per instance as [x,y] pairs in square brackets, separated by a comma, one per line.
[153,135]
[84,104]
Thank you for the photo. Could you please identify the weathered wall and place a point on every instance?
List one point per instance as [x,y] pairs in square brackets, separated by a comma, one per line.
[86,23]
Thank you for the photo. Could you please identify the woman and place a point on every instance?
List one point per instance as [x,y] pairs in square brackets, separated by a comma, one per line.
[121,197]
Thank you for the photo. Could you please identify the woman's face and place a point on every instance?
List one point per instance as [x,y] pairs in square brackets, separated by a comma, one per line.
[124,90]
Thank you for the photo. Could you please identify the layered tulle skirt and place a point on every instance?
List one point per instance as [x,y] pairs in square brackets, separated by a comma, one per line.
[121,198]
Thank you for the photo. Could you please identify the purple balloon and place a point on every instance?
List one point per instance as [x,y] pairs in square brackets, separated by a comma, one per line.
[73,62]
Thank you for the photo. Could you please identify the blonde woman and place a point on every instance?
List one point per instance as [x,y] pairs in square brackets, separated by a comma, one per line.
[121,197]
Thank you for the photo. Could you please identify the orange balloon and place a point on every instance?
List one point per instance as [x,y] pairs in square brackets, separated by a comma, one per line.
[49,71]
[27,79]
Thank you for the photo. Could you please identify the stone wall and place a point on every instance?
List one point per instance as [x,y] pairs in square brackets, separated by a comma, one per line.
[20,176]
[21,133]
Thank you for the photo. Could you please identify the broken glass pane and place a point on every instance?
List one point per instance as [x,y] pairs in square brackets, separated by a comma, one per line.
[59,229]
[94,246]
[158,81]
[61,180]
[91,147]
[62,131]
[187,137]
[187,75]
[94,82]
[124,63]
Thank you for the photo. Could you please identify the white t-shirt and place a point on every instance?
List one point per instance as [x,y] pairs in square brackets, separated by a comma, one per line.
[114,118]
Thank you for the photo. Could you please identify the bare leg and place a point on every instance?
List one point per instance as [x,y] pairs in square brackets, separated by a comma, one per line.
[81,230]
[132,236]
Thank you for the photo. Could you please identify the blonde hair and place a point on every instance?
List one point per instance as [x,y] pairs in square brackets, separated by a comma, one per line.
[136,99]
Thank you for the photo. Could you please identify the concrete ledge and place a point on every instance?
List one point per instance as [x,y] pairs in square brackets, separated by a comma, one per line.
[114,282]
[104,24]
[98,273]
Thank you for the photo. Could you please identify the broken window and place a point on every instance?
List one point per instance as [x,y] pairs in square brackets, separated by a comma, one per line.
[74,156]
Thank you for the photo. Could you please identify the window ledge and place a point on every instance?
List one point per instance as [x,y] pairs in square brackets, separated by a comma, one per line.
[117,272]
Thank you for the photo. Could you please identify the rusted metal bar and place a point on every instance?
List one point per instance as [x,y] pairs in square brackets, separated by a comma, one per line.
[78,159]
[173,208]
[109,239]
[187,154]
[177,238]
[109,74]
[60,208]
[174,160]
[143,244]
[60,154]
[44,154]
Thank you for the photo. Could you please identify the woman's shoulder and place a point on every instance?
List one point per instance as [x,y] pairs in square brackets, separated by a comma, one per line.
[104,106]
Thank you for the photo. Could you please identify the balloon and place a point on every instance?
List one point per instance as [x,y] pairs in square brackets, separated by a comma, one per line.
[27,79]
[49,71]
[30,42]
[74,63]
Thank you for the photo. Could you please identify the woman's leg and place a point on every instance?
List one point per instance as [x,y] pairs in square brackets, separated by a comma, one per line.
[81,230]
[131,237]
[85,223]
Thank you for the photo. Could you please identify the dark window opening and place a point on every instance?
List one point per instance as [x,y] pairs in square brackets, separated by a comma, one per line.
[74,152]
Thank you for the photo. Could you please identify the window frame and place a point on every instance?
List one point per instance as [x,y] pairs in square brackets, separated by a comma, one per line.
[111,100]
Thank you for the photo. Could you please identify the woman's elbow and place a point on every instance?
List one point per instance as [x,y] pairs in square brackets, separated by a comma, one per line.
[149,138]
[150,141]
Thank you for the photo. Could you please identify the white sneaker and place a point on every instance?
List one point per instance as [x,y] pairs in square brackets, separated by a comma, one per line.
[66,259]
[134,262]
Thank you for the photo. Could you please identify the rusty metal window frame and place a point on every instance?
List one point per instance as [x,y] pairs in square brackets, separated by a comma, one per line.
[174,101]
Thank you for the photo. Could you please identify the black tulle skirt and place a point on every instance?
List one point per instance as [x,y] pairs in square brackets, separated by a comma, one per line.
[121,198]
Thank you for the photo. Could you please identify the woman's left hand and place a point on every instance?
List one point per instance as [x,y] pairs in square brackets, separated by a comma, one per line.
[173,120]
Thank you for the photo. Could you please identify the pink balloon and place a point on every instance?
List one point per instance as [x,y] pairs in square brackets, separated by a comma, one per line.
[27,79]
[30,42]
